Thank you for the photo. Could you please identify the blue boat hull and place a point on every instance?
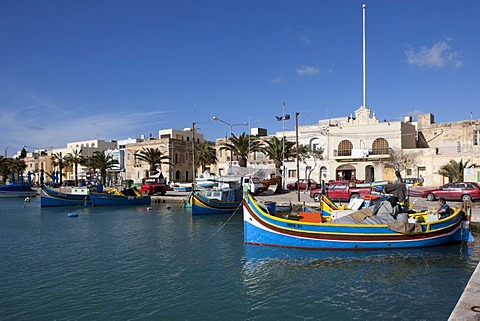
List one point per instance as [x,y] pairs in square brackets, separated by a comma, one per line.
[16,191]
[52,198]
[263,229]
[103,199]
[202,205]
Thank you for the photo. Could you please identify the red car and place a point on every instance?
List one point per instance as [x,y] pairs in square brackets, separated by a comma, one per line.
[302,184]
[454,191]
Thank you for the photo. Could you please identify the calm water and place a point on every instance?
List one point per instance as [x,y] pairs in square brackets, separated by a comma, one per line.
[134,264]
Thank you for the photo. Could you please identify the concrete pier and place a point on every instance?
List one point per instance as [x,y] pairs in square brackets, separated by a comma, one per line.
[468,307]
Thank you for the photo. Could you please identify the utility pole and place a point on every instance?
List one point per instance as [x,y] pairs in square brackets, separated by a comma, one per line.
[298,166]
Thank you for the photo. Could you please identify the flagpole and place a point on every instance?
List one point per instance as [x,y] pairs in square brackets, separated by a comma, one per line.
[364,6]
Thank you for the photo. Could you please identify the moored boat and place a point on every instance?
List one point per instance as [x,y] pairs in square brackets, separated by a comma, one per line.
[53,198]
[126,197]
[317,232]
[16,191]
[225,201]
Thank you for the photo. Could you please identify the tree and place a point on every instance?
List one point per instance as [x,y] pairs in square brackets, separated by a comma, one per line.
[75,158]
[205,155]
[4,168]
[454,170]
[399,161]
[242,146]
[154,157]
[23,153]
[305,153]
[58,160]
[274,148]
[103,162]
[9,165]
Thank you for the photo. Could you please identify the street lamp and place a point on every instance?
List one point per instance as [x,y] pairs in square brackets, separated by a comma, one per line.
[283,118]
[231,131]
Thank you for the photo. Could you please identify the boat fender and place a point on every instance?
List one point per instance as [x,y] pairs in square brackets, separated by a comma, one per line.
[72,214]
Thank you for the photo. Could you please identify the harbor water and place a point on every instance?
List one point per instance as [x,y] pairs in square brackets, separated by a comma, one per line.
[160,263]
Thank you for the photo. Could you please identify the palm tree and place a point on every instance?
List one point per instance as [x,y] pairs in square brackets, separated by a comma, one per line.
[154,157]
[242,146]
[58,160]
[4,168]
[75,158]
[103,162]
[278,150]
[9,165]
[204,155]
[454,170]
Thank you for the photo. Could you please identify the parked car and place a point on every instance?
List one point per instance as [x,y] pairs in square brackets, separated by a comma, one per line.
[454,191]
[412,181]
[341,191]
[302,184]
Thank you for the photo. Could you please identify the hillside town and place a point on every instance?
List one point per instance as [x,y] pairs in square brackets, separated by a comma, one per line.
[359,146]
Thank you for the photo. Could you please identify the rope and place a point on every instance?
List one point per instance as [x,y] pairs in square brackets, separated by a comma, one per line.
[236,210]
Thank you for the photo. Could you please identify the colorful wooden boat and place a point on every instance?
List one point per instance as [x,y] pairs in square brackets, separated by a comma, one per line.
[16,191]
[317,232]
[226,201]
[127,197]
[53,198]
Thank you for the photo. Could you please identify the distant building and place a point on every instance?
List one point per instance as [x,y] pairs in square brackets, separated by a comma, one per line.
[174,143]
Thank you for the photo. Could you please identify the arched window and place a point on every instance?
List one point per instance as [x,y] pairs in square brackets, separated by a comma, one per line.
[379,147]
[345,148]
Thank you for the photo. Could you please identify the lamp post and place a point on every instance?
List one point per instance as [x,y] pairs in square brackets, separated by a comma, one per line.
[283,118]
[231,131]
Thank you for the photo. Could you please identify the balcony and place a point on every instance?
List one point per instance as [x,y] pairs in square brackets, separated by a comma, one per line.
[360,154]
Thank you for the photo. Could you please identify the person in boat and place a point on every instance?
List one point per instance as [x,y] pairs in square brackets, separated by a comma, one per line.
[444,209]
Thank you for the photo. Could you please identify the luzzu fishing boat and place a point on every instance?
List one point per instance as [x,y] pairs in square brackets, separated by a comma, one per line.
[115,197]
[53,198]
[16,191]
[313,231]
[225,201]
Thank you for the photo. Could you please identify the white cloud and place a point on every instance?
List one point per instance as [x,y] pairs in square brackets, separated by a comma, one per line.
[307,71]
[305,39]
[277,80]
[439,55]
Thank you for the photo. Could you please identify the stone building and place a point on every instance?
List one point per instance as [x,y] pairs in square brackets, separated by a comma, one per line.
[175,144]
[441,142]
[358,147]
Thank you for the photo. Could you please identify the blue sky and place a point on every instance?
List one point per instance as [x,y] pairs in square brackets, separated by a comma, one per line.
[78,70]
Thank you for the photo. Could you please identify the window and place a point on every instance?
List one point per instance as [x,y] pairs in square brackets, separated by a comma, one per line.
[409,171]
[459,149]
[345,148]
[314,147]
[292,173]
[379,147]
[476,137]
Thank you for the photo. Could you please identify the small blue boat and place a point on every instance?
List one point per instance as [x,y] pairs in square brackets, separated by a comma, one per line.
[126,197]
[17,191]
[52,198]
[225,201]
[320,233]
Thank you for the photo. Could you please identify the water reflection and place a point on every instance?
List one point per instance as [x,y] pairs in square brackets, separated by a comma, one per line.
[405,284]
